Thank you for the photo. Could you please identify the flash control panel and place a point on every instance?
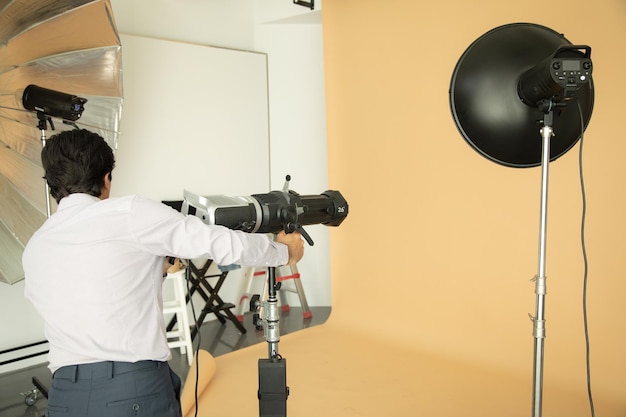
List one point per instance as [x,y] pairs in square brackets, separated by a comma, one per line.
[571,72]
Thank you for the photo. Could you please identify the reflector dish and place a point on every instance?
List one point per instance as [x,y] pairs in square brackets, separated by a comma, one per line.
[487,108]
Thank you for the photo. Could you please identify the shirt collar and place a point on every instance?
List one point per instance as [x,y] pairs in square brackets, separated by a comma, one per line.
[77,199]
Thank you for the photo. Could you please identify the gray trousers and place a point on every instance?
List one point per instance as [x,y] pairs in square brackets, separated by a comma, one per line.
[115,389]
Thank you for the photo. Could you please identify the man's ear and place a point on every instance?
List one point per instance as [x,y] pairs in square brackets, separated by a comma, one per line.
[106,187]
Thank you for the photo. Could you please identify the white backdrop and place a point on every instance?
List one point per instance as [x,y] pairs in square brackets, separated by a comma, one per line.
[195,118]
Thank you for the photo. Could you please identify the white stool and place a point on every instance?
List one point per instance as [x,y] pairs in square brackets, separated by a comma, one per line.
[181,336]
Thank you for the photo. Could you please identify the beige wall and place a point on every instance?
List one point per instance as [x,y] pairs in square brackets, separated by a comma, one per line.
[441,244]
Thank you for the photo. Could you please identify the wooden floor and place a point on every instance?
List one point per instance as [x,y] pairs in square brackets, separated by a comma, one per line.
[214,337]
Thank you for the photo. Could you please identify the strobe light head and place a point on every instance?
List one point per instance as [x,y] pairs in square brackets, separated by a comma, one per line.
[558,76]
[270,212]
[53,103]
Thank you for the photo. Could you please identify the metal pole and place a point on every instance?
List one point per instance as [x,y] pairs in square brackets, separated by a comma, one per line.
[539,330]
[272,329]
[48,208]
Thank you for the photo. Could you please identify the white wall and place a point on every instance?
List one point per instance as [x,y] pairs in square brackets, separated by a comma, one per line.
[298,127]
[194,118]
[291,35]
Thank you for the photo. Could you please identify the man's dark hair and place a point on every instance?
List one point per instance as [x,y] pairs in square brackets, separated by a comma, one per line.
[76,161]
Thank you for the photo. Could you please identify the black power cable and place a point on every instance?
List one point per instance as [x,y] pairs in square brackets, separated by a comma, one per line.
[586,263]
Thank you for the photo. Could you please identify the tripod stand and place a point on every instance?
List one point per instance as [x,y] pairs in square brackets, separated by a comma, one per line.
[273,389]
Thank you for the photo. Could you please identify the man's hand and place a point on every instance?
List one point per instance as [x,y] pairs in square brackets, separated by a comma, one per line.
[171,265]
[294,243]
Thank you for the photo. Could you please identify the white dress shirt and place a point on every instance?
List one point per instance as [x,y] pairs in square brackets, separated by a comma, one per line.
[94,273]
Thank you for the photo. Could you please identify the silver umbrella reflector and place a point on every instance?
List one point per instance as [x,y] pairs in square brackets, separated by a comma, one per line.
[65,46]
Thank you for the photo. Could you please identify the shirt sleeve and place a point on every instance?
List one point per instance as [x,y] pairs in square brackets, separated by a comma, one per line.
[165,232]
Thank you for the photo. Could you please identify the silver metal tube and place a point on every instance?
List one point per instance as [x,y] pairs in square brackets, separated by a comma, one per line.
[272,317]
[48,208]
[272,328]
[539,330]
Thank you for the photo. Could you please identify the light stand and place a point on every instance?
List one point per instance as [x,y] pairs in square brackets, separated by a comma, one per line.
[276,211]
[502,84]
[46,103]
[539,330]
[44,119]
[273,389]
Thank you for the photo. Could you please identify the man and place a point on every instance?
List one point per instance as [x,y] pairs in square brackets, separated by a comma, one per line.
[94,273]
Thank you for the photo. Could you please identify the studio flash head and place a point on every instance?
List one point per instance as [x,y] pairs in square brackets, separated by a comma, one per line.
[270,212]
[53,103]
[559,75]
